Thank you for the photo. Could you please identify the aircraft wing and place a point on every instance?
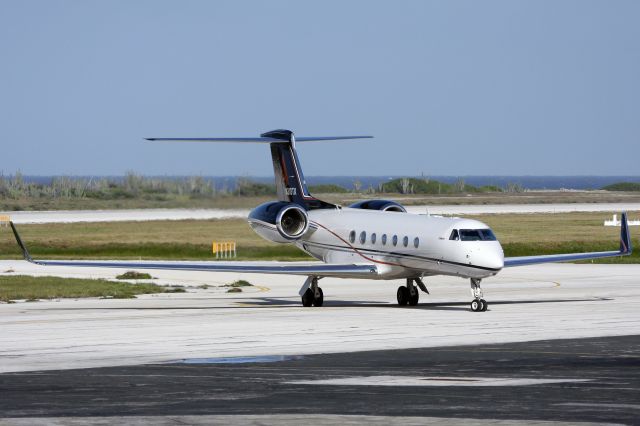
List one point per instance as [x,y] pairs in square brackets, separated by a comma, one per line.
[319,269]
[625,250]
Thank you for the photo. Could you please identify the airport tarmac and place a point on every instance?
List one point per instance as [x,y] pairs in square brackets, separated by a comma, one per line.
[140,356]
[593,380]
[73,216]
[529,303]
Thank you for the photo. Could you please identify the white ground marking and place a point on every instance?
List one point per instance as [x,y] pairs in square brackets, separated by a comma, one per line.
[597,406]
[433,381]
[70,216]
[574,301]
[525,208]
[271,419]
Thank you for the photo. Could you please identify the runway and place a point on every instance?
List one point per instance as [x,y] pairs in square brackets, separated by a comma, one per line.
[74,216]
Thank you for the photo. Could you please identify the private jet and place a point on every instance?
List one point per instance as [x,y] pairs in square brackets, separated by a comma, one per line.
[373,239]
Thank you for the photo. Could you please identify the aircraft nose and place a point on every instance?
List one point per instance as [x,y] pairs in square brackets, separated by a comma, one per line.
[489,255]
[494,259]
[496,262]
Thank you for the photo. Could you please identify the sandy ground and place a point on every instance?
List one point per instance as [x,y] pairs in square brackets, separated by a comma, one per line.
[529,303]
[66,216]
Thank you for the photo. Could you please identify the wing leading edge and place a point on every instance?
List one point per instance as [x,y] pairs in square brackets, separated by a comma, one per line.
[293,268]
[625,250]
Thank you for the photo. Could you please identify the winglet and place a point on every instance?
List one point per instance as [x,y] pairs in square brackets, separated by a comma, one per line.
[25,252]
[625,237]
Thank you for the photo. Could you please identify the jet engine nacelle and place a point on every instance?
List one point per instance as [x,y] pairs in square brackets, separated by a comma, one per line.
[279,221]
[381,205]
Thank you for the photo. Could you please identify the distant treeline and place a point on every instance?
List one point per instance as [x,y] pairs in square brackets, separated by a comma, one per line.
[623,186]
[131,186]
[134,186]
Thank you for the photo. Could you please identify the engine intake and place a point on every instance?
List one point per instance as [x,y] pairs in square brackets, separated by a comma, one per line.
[279,221]
[292,222]
[381,205]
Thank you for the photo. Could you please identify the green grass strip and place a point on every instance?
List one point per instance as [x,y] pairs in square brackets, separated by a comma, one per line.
[18,287]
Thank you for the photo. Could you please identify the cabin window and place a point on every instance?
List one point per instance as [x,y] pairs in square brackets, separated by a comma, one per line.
[454,235]
[395,240]
[405,241]
[373,238]
[352,237]
[363,237]
[384,239]
[416,242]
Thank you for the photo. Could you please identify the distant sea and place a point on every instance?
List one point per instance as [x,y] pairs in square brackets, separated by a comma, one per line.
[529,182]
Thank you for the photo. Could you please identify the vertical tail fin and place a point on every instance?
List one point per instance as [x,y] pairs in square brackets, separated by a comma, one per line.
[290,183]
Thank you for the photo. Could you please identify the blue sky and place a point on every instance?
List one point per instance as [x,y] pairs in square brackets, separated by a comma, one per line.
[447,87]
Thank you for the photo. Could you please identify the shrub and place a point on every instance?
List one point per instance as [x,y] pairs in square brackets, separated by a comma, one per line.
[134,275]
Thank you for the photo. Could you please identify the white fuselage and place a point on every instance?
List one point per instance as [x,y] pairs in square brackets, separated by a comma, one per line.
[402,245]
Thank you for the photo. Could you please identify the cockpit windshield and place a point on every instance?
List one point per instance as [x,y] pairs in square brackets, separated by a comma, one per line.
[473,235]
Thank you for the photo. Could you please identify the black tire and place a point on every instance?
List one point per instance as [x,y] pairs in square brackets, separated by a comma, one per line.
[307,298]
[485,305]
[475,305]
[413,300]
[318,301]
[403,295]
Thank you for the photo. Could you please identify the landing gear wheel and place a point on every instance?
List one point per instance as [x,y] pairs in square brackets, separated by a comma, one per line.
[403,295]
[484,304]
[476,305]
[413,299]
[318,301]
[307,298]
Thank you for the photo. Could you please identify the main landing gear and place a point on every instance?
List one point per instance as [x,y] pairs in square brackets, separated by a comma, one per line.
[409,294]
[478,304]
[313,294]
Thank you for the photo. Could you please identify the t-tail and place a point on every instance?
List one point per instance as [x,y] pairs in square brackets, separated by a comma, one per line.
[289,178]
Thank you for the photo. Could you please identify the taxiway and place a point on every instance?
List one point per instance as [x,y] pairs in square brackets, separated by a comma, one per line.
[525,304]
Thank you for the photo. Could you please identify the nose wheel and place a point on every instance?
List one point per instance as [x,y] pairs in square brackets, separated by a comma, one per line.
[478,304]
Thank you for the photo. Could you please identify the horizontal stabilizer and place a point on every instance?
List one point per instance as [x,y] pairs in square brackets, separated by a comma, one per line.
[261,139]
[273,136]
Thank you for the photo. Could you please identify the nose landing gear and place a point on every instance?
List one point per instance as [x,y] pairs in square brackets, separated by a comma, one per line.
[478,304]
